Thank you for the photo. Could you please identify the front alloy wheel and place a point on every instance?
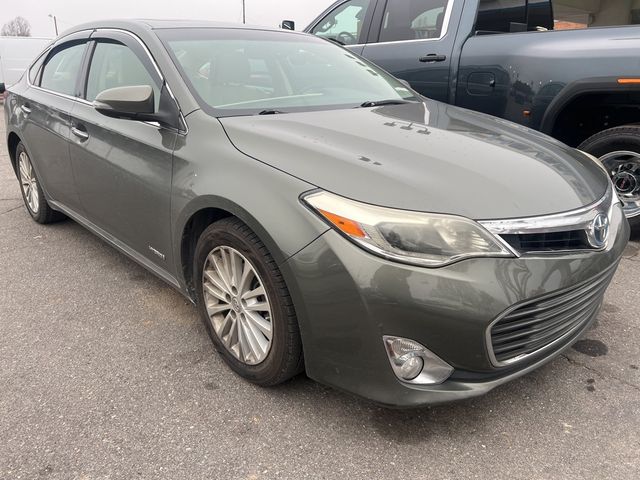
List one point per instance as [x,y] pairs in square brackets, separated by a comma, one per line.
[245,304]
[237,304]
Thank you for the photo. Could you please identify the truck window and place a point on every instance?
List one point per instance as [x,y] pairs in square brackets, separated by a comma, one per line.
[501,16]
[571,15]
[413,20]
[504,16]
[344,24]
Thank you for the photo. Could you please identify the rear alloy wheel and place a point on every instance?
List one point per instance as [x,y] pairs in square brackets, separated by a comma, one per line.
[32,193]
[619,151]
[245,304]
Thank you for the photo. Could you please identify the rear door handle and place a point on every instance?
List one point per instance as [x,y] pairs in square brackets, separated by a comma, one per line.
[81,134]
[433,57]
[25,109]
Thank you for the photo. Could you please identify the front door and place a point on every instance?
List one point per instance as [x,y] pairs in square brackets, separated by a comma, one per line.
[123,167]
[413,41]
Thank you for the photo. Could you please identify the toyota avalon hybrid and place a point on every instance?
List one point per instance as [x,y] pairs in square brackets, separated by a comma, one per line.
[321,215]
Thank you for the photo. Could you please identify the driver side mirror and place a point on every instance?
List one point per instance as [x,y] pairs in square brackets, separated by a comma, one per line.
[137,102]
[288,25]
[2,88]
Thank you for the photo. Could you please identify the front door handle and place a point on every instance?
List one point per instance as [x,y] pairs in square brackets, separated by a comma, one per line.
[25,109]
[81,134]
[432,58]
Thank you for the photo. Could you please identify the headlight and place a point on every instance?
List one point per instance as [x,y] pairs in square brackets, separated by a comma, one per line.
[425,239]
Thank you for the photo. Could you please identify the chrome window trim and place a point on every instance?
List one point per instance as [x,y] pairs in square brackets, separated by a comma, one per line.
[148,53]
[443,33]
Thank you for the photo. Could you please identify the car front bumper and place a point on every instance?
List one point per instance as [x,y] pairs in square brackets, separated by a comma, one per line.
[346,300]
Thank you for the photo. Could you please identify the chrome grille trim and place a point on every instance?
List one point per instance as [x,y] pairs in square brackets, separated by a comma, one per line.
[540,324]
[580,219]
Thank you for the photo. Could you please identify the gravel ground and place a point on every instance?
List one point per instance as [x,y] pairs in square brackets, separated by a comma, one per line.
[107,373]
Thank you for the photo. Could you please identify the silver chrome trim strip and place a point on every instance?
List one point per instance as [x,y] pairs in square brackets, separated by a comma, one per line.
[573,220]
[146,50]
[443,33]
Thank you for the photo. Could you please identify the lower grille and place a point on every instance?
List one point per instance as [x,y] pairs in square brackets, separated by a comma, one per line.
[537,324]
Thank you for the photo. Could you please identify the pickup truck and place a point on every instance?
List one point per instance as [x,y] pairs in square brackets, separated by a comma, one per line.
[568,68]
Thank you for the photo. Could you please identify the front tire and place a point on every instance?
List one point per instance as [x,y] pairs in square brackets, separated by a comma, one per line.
[245,304]
[32,193]
[619,151]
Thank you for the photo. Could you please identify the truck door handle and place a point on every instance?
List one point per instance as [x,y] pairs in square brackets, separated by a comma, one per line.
[432,58]
[81,134]
[25,109]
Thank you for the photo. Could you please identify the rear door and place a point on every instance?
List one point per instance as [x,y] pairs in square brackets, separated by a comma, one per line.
[123,167]
[413,39]
[46,109]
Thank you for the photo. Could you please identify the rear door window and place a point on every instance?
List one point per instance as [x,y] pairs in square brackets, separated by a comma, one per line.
[60,72]
[413,20]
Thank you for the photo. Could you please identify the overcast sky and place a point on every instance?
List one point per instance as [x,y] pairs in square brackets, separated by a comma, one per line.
[73,12]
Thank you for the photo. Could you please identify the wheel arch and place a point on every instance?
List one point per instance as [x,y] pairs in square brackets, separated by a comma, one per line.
[201,213]
[12,144]
[588,106]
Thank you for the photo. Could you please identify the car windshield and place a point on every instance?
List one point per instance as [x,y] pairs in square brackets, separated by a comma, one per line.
[244,72]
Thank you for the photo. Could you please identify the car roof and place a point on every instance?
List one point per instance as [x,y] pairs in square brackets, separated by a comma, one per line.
[161,24]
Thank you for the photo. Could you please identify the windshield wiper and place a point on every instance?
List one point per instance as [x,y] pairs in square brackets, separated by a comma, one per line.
[270,112]
[379,103]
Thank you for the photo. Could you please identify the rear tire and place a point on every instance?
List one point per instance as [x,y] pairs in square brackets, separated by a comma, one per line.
[258,309]
[619,150]
[32,193]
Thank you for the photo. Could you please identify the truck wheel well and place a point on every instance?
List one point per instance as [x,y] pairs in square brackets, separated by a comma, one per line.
[198,222]
[12,144]
[591,113]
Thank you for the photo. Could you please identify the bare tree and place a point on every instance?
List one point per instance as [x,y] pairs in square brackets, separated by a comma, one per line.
[18,27]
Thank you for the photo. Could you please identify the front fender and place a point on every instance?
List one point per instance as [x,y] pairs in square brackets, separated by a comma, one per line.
[209,172]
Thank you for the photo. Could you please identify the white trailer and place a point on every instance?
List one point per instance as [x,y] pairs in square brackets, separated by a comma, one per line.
[16,53]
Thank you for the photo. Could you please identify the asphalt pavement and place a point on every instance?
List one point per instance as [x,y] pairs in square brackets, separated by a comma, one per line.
[107,373]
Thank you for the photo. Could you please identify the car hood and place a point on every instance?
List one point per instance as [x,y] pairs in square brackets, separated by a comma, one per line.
[424,156]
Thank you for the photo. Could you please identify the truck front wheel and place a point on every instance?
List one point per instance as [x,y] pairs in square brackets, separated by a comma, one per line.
[619,151]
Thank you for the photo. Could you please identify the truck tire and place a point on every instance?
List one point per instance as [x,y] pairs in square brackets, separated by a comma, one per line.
[619,151]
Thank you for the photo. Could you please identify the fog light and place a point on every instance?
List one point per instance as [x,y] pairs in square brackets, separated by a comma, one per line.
[410,366]
[414,363]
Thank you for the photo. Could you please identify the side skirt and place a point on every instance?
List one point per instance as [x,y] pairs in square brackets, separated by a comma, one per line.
[122,247]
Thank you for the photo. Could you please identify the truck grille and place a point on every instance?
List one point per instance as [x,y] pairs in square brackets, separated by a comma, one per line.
[537,324]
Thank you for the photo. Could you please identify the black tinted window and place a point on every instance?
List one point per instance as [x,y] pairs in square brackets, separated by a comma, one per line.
[344,24]
[60,73]
[502,16]
[413,19]
[116,65]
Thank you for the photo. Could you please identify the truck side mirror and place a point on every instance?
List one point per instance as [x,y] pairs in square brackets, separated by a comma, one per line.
[288,25]
[2,88]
